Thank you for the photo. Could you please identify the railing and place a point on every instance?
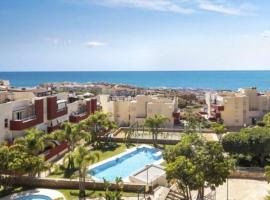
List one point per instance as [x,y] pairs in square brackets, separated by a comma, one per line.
[26,118]
[61,109]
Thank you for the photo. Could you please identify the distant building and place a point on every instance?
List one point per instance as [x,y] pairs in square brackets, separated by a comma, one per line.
[128,110]
[245,107]
[4,84]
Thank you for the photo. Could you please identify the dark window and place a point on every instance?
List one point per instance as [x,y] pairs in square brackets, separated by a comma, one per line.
[6,123]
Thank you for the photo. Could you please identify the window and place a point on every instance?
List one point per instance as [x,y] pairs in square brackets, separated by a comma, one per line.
[19,115]
[6,123]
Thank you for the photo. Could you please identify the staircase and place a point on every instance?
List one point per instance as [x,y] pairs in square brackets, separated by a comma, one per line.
[172,195]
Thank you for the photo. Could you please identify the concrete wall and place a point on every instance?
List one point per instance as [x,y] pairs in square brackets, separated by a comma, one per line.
[69,184]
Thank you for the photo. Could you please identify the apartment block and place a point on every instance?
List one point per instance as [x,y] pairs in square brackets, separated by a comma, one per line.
[128,110]
[21,109]
[242,108]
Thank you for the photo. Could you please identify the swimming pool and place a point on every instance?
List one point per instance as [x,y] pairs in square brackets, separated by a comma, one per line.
[127,163]
[34,197]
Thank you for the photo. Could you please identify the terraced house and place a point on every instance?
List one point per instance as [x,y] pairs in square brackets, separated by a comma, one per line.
[21,109]
[242,108]
[128,110]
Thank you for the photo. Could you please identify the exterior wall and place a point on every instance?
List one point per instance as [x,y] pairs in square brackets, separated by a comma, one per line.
[52,110]
[127,111]
[244,107]
[121,112]
[39,112]
[23,95]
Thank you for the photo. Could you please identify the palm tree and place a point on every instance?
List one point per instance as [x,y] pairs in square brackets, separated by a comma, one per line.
[98,124]
[154,123]
[116,194]
[72,134]
[33,141]
[82,159]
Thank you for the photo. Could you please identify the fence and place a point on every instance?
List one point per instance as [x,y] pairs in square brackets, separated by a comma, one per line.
[68,184]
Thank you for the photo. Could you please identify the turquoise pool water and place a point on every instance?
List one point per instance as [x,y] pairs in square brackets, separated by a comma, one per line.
[127,164]
[35,197]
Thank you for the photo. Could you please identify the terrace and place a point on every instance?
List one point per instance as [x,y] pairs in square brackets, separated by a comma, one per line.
[89,107]
[28,116]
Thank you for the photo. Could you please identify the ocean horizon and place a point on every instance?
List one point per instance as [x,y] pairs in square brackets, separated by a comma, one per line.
[207,79]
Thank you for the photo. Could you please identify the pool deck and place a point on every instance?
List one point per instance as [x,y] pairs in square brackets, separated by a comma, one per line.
[53,194]
[158,162]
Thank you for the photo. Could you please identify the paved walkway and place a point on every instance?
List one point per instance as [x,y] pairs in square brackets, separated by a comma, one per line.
[242,189]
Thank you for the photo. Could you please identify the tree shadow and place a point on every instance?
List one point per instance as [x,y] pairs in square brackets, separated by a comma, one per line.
[107,146]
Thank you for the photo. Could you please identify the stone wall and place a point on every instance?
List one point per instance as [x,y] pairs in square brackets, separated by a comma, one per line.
[140,140]
[68,184]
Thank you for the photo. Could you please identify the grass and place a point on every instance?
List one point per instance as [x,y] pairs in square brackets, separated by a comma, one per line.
[106,151]
[73,194]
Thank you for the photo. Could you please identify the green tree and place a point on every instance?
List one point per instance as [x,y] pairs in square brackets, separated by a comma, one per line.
[98,124]
[249,141]
[266,119]
[195,164]
[33,141]
[267,173]
[72,134]
[116,193]
[82,158]
[154,124]
[219,129]
[194,122]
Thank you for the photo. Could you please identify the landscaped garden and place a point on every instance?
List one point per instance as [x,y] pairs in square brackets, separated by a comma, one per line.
[191,164]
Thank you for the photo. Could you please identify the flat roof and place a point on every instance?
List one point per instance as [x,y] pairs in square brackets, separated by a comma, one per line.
[153,172]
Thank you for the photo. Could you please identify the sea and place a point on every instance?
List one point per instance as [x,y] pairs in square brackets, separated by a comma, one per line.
[230,80]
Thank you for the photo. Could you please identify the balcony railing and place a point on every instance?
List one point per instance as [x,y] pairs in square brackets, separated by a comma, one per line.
[78,116]
[30,120]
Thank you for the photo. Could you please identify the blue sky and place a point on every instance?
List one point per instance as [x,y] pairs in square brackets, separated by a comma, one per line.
[93,35]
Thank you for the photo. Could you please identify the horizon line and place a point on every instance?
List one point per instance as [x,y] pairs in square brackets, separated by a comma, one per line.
[190,70]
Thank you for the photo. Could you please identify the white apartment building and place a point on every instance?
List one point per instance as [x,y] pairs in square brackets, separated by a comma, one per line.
[242,108]
[128,110]
[28,108]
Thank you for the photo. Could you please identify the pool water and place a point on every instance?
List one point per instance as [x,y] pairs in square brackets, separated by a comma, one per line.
[34,197]
[127,164]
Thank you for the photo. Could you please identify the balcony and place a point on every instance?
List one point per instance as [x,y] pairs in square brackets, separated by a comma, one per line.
[85,110]
[29,119]
[217,107]
[55,108]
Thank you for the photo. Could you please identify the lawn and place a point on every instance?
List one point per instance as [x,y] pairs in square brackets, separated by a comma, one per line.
[73,194]
[106,151]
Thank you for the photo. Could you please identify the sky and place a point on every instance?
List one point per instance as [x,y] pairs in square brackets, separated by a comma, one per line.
[107,35]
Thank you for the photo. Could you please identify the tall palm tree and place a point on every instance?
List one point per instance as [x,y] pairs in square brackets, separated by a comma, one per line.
[154,124]
[98,124]
[72,134]
[82,159]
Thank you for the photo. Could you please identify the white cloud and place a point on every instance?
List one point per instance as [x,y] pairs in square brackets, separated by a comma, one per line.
[156,5]
[94,44]
[224,8]
[266,34]
[228,7]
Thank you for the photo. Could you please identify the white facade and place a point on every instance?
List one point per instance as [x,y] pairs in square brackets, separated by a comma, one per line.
[245,107]
[128,110]
[20,106]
